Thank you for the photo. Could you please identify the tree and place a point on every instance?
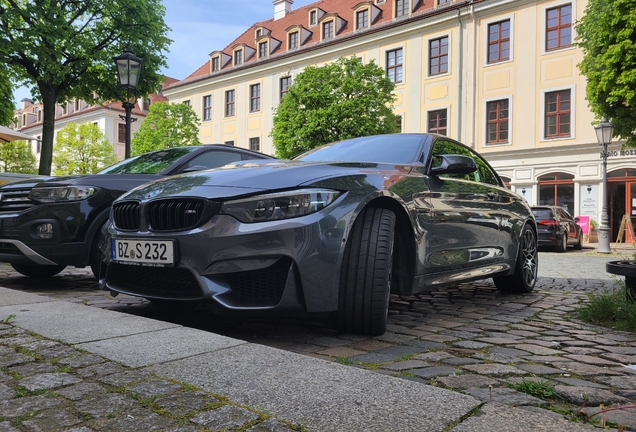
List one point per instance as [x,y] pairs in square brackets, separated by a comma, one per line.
[166,125]
[16,157]
[607,36]
[6,97]
[344,99]
[82,149]
[64,49]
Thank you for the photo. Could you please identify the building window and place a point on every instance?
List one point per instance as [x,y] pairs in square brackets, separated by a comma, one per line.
[438,56]
[497,122]
[77,105]
[401,7]
[558,27]
[293,40]
[63,106]
[285,83]
[499,41]
[394,65]
[238,57]
[557,189]
[262,50]
[38,144]
[121,132]
[313,15]
[207,108]
[438,122]
[255,144]
[259,32]
[327,30]
[39,115]
[255,97]
[557,114]
[24,120]
[230,143]
[186,102]
[229,103]
[215,64]
[362,19]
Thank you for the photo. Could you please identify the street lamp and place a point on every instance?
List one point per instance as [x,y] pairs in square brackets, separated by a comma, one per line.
[604,131]
[128,70]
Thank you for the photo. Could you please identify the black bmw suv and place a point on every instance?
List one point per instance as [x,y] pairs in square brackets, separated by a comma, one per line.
[48,224]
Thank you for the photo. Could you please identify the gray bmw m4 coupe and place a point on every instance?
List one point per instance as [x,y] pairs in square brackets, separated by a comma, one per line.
[338,229]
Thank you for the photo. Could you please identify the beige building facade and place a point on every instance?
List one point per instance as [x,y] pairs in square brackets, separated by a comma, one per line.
[498,75]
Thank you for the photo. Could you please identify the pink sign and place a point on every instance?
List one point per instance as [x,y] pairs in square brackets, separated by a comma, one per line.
[584,223]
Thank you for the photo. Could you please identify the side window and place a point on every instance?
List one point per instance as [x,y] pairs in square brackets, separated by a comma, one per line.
[484,173]
[214,159]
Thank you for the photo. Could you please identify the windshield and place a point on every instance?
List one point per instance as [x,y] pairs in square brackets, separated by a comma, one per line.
[399,148]
[149,163]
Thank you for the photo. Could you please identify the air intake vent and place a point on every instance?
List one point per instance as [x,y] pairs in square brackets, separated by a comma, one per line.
[126,215]
[265,284]
[15,200]
[174,214]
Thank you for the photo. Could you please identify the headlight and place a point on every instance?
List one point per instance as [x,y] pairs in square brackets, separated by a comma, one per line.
[277,206]
[61,194]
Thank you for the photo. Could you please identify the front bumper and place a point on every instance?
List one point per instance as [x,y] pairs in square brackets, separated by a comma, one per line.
[280,265]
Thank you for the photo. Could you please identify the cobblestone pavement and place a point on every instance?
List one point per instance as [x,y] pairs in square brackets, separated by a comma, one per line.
[468,338]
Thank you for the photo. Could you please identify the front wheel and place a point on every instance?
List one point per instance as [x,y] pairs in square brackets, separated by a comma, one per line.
[525,276]
[35,270]
[365,277]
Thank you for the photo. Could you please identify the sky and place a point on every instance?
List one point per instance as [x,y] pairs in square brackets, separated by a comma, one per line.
[200,27]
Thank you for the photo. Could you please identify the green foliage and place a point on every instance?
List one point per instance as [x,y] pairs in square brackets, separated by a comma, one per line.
[344,99]
[16,157]
[606,35]
[64,50]
[82,149]
[609,309]
[6,97]
[166,125]
[542,389]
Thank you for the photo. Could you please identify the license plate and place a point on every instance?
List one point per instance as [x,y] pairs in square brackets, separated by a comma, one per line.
[143,252]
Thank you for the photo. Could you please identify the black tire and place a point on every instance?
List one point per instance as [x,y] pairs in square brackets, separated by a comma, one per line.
[95,259]
[563,244]
[37,271]
[524,278]
[579,242]
[365,277]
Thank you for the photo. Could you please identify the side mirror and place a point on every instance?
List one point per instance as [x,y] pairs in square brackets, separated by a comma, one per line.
[195,168]
[454,165]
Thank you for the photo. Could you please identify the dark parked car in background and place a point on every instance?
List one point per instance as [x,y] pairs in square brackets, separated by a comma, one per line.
[556,228]
[49,223]
[335,230]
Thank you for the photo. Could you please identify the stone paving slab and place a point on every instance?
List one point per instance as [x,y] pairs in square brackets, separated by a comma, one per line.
[355,399]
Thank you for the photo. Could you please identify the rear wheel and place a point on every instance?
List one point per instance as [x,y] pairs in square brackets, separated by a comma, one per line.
[525,276]
[365,277]
[579,242]
[563,244]
[35,270]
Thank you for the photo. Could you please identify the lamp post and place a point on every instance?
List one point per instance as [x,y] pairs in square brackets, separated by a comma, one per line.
[128,70]
[604,131]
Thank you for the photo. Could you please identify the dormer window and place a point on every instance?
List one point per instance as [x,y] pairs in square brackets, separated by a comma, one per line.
[327,30]
[401,8]
[216,64]
[39,115]
[313,18]
[77,104]
[263,51]
[362,19]
[238,57]
[293,40]
[259,33]
[63,109]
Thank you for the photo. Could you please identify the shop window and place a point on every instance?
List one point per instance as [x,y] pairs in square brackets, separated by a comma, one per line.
[557,189]
[558,28]
[438,122]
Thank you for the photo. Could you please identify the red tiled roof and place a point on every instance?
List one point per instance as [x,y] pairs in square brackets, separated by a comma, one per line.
[300,16]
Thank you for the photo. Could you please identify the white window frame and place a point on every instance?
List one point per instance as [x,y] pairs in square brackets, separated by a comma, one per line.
[510,18]
[544,26]
[484,121]
[572,88]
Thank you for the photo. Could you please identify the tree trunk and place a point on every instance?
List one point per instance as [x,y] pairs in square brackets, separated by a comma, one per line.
[49,95]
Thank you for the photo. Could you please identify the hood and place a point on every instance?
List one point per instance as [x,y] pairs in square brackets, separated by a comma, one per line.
[250,177]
